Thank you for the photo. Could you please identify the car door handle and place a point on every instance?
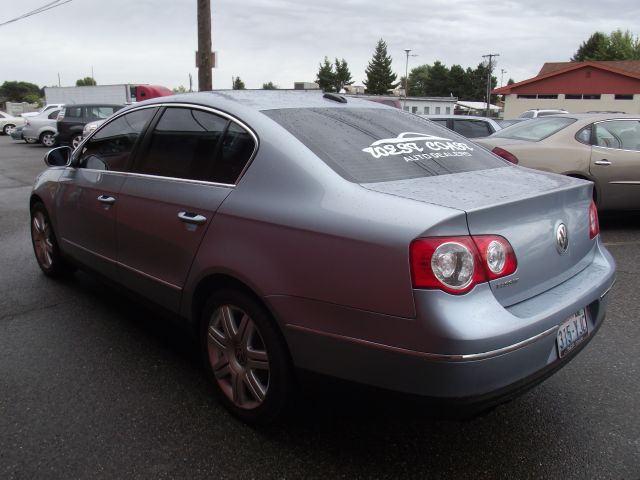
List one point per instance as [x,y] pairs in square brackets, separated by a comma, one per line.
[106,199]
[189,217]
[604,162]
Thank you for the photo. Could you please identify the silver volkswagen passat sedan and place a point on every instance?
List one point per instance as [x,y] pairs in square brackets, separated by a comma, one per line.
[301,231]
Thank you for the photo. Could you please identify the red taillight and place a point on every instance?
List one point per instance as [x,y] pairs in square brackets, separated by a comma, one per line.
[594,224]
[457,264]
[508,156]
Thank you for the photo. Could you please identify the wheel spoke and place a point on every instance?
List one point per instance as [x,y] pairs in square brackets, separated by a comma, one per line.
[244,329]
[217,340]
[254,386]
[227,321]
[222,368]
[237,388]
[257,359]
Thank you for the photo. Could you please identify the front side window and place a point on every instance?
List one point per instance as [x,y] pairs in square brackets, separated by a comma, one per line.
[620,134]
[111,146]
[536,129]
[188,143]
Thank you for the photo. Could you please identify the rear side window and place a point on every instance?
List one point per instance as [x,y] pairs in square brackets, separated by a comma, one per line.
[472,128]
[73,112]
[100,113]
[619,134]
[197,145]
[376,145]
[53,115]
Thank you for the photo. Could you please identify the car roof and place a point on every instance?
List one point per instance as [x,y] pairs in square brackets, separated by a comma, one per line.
[458,117]
[267,99]
[594,116]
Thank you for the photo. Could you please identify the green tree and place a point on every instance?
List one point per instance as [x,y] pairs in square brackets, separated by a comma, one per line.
[618,45]
[458,85]
[418,81]
[86,82]
[13,91]
[238,84]
[269,86]
[326,77]
[342,75]
[380,77]
[180,89]
[511,81]
[438,80]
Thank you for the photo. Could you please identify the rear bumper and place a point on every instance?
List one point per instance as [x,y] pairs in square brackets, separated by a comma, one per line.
[466,349]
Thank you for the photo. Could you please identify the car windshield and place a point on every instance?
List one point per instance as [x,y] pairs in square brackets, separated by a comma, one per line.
[377,145]
[535,129]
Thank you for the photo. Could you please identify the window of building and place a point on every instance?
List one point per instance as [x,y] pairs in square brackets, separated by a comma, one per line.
[591,96]
[437,110]
[550,97]
[623,97]
[448,111]
[528,96]
[414,109]
[426,110]
[572,96]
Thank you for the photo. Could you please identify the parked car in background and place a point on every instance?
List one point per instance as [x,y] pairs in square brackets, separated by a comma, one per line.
[47,108]
[90,127]
[283,225]
[541,112]
[8,123]
[467,125]
[41,128]
[603,148]
[73,118]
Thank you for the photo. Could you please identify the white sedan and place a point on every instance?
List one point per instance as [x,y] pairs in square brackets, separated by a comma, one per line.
[9,123]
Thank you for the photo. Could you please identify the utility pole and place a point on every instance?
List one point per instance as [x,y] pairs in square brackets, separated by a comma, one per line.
[204,46]
[489,56]
[406,78]
[502,72]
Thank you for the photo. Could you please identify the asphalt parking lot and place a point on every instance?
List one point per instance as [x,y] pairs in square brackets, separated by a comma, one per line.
[95,385]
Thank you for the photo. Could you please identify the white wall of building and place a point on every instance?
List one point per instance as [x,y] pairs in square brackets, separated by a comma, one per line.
[430,106]
[514,106]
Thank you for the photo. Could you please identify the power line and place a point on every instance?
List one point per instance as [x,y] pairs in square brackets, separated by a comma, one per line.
[44,8]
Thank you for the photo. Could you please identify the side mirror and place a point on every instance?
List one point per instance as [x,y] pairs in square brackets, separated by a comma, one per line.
[58,157]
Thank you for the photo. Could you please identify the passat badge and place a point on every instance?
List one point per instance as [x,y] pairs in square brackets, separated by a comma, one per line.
[562,239]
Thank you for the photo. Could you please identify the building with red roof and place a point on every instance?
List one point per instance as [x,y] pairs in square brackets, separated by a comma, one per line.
[577,87]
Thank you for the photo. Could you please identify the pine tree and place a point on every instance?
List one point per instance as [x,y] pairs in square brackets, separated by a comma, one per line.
[326,77]
[342,75]
[269,86]
[380,78]
[238,84]
[593,49]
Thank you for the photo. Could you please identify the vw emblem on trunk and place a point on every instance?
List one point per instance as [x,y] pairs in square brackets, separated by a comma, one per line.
[562,239]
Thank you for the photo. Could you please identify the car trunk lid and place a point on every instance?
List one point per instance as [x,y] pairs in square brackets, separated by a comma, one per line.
[524,206]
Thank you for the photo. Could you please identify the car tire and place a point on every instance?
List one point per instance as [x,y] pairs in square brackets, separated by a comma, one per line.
[75,140]
[45,245]
[246,357]
[48,139]
[8,128]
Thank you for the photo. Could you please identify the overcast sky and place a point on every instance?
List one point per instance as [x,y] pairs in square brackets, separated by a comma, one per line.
[153,41]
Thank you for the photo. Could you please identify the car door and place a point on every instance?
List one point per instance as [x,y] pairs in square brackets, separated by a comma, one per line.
[88,198]
[615,163]
[181,177]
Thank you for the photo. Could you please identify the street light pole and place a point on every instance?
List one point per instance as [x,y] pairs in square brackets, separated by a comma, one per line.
[490,56]
[406,78]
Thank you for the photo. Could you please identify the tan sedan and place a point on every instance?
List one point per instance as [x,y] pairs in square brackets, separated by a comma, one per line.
[603,148]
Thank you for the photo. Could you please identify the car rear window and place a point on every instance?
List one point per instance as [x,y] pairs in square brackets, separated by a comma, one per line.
[535,129]
[377,145]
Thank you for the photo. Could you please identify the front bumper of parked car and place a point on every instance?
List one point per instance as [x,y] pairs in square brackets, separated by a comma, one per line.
[459,349]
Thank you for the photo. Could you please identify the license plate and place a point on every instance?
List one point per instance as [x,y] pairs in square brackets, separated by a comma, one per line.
[572,332]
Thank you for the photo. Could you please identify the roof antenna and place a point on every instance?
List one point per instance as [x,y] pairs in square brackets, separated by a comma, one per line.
[335,97]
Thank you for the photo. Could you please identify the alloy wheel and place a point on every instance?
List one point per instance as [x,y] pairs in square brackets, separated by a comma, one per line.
[42,241]
[238,356]
[76,141]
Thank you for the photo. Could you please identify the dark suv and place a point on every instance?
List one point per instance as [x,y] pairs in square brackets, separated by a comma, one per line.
[73,118]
